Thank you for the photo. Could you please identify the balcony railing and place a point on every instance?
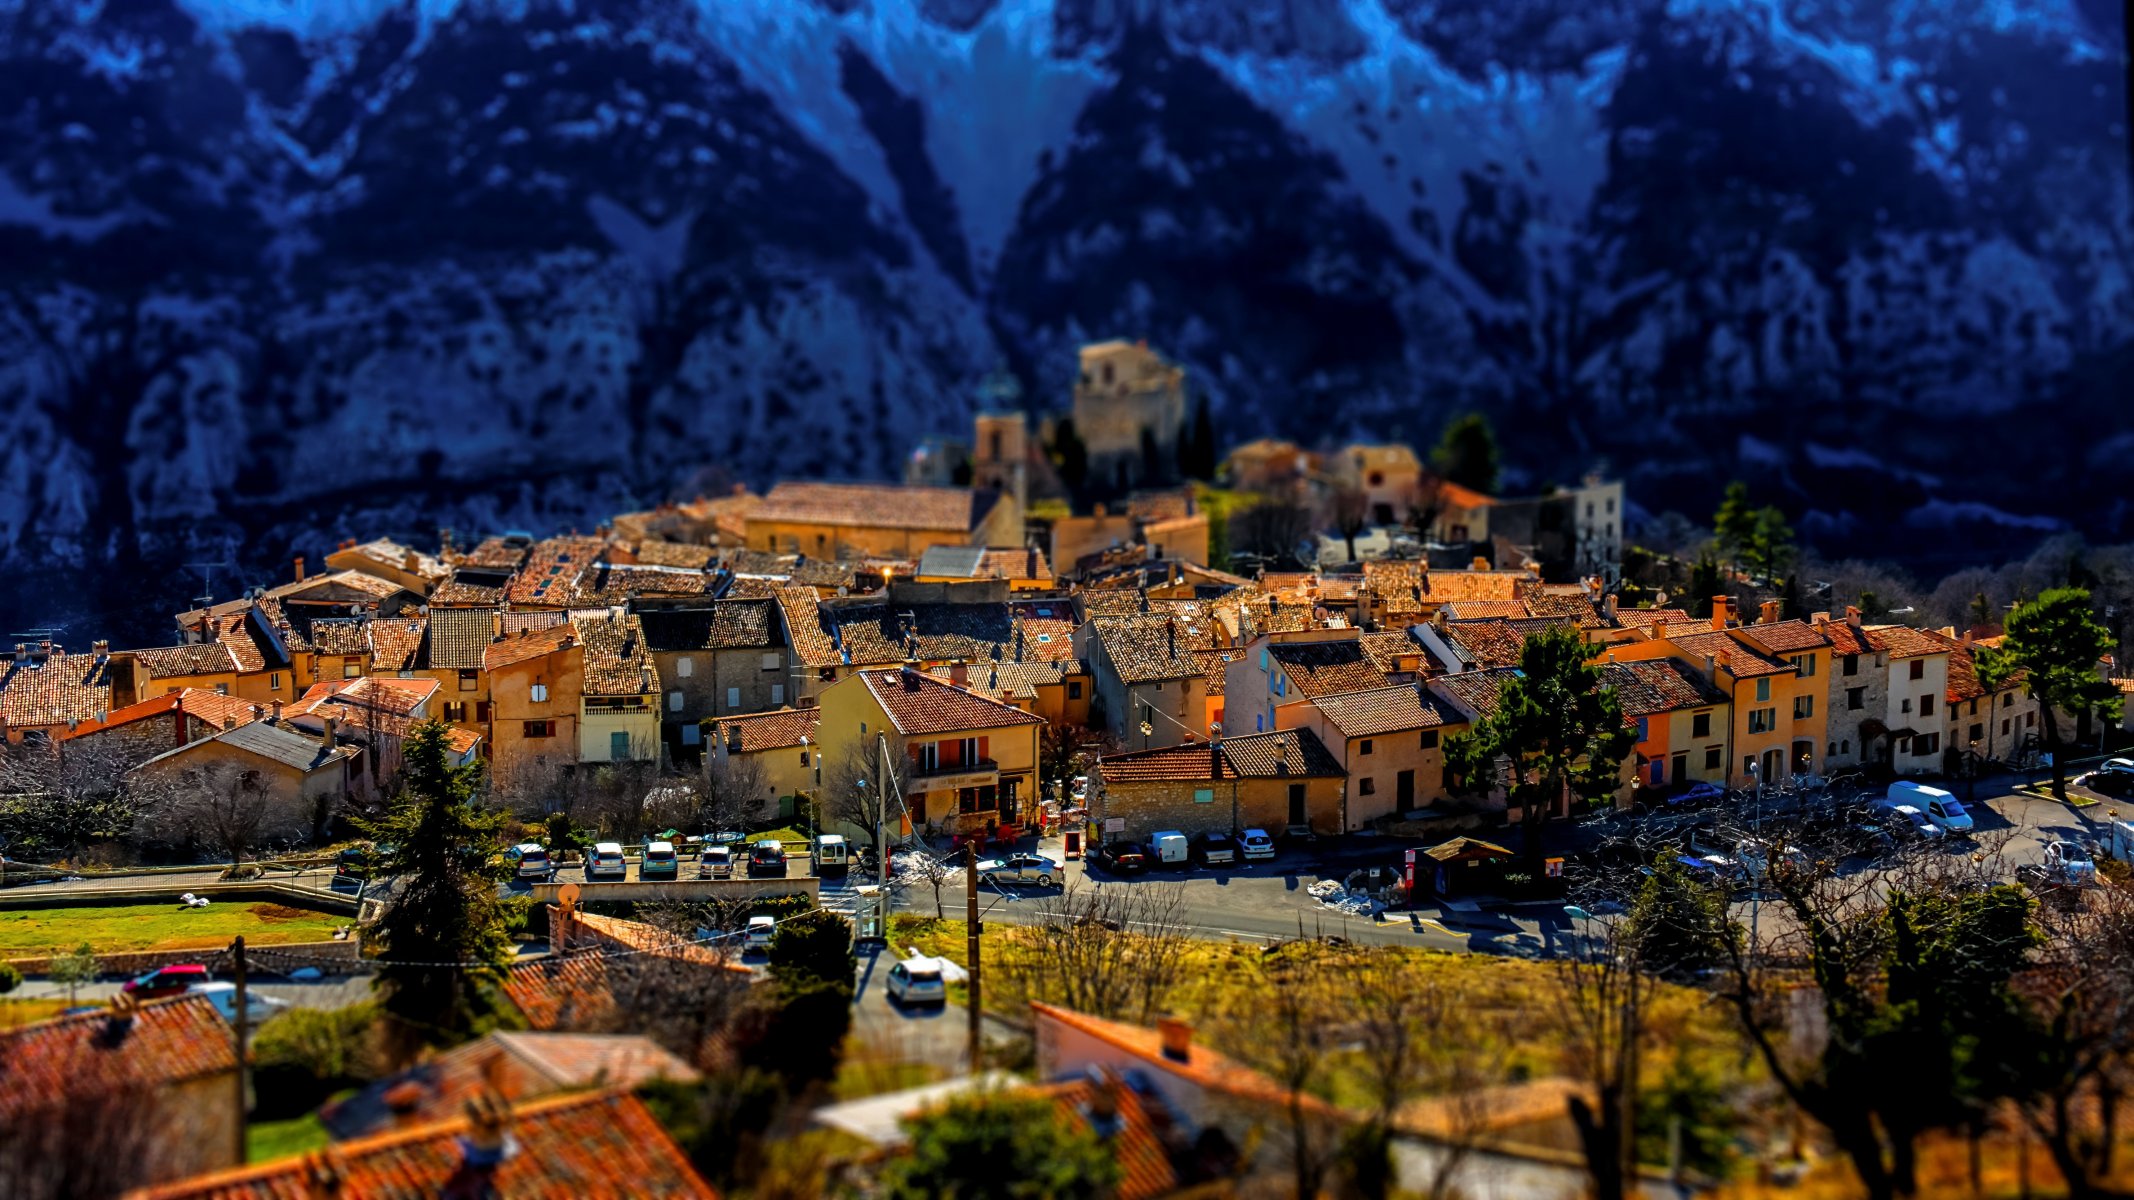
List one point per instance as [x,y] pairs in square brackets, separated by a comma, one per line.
[977,766]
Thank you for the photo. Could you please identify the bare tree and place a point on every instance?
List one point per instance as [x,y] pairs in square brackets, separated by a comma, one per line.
[1601,1001]
[61,798]
[935,872]
[1273,528]
[853,792]
[2081,991]
[731,791]
[1288,1029]
[231,807]
[1350,509]
[1416,1032]
[1114,952]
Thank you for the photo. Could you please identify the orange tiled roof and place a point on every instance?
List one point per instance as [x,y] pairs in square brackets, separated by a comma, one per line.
[1327,668]
[917,703]
[529,644]
[875,506]
[802,609]
[1384,710]
[396,642]
[1646,618]
[1287,753]
[163,1042]
[1204,1067]
[1902,641]
[520,1065]
[1785,637]
[171,662]
[549,576]
[1135,1135]
[1145,648]
[1739,658]
[617,660]
[204,704]
[1649,687]
[62,688]
[1844,639]
[1488,643]
[586,1146]
[771,730]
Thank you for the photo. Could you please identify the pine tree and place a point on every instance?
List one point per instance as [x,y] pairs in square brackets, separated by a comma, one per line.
[1735,522]
[2058,641]
[442,945]
[1705,582]
[1466,453]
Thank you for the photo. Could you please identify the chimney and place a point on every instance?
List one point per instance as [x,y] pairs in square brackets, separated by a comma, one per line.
[102,650]
[485,1146]
[326,741]
[229,721]
[1031,570]
[910,677]
[1852,615]
[1479,564]
[276,709]
[1821,618]
[1721,610]
[1659,628]
[409,562]
[403,1099]
[1768,611]
[1177,1038]
[1609,605]
[43,651]
[959,673]
[22,652]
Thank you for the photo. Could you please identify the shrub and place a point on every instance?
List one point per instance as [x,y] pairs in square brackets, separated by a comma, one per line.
[10,978]
[301,1056]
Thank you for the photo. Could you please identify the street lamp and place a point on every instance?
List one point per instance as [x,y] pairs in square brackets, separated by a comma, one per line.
[1756,790]
[1971,777]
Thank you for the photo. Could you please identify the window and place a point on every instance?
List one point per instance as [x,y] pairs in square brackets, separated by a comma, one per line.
[1748,764]
[1711,758]
[481,712]
[1680,764]
[1763,720]
[1974,706]
[1367,786]
[1259,723]
[538,693]
[770,662]
[1263,658]
[1904,705]
[2007,698]
[275,682]
[1926,743]
[1852,664]
[1845,746]
[1804,665]
[455,710]
[733,697]
[1159,685]
[1977,731]
[692,734]
[968,751]
[1926,705]
[777,693]
[618,746]
[1803,707]
[1644,730]
[1203,795]
[1855,698]
[2004,727]
[929,756]
[1429,739]
[1363,746]
[1919,668]
[222,689]
[539,729]
[1700,725]
[1074,689]
[1610,505]
[1830,750]
[674,702]
[685,666]
[1763,689]
[349,669]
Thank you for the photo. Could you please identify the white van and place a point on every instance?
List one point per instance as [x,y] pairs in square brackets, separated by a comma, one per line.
[1940,807]
[832,854]
[1170,848]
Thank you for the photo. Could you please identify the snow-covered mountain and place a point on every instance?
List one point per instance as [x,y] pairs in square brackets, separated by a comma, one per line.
[280,271]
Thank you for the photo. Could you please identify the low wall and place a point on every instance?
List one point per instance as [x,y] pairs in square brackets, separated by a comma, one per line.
[743,888]
[332,958]
[316,899]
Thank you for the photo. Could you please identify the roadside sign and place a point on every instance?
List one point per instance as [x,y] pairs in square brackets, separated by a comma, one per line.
[1115,824]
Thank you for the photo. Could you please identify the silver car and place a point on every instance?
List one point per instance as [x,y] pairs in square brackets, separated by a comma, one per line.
[1021,868]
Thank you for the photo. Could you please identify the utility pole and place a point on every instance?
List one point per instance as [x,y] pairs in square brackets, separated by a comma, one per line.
[881,810]
[242,1027]
[971,931]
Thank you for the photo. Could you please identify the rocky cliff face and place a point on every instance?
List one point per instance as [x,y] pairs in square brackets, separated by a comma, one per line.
[276,272]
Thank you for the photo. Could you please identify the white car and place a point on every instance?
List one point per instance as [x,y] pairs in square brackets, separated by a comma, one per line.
[759,933]
[606,859]
[1755,855]
[224,997]
[533,861]
[918,980]
[1255,844]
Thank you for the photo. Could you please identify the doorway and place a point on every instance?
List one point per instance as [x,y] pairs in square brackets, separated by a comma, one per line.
[1404,792]
[1296,804]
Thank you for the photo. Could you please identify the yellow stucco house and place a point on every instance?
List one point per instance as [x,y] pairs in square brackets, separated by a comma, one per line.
[969,761]
[822,519]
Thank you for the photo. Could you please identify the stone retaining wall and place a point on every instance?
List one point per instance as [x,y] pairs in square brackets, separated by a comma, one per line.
[333,958]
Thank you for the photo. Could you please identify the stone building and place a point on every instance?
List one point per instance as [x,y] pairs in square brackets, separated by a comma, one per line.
[1129,412]
[1270,781]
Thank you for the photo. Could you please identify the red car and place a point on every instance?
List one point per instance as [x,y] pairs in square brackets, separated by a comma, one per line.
[166,981]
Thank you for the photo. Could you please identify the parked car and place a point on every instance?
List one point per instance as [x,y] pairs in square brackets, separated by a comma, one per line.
[530,861]
[1020,868]
[1167,848]
[2115,777]
[605,858]
[918,980]
[717,862]
[167,981]
[659,862]
[1906,822]
[1715,869]
[1941,807]
[1697,795]
[767,857]
[760,931]
[1755,856]
[224,997]
[1255,844]
[2070,863]
[1123,857]
[1215,850]
[832,854]
[1706,839]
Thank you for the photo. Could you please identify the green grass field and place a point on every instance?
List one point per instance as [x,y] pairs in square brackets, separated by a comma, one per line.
[22,1012]
[117,928]
[266,1141]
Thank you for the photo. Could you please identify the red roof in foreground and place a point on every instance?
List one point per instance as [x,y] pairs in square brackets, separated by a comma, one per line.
[589,1146]
[1203,1067]
[162,1042]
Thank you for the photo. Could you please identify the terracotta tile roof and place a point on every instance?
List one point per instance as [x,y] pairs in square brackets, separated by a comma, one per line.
[1044,631]
[1742,660]
[519,1065]
[1145,649]
[1453,495]
[396,642]
[1646,618]
[920,704]
[750,587]
[1214,666]
[1785,637]
[549,576]
[1136,1131]
[1649,687]
[73,1058]
[371,693]
[63,687]
[726,625]
[1488,643]
[1014,680]
[276,743]
[1901,641]
[1383,710]
[495,554]
[529,644]
[459,592]
[585,1146]
[772,730]
[172,662]
[1844,639]
[827,574]
[334,584]
[1190,761]
[1394,652]
[389,553]
[1253,756]
[1198,626]
[460,636]
[1159,506]
[1475,691]
[876,506]
[872,634]
[202,704]
[348,636]
[1325,668]
[979,562]
[801,609]
[616,583]
[1963,671]
[1483,610]
[617,661]
[1112,602]
[1204,1068]
[655,553]
[646,938]
[1572,603]
[570,991]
